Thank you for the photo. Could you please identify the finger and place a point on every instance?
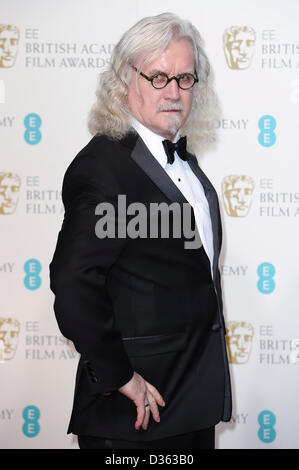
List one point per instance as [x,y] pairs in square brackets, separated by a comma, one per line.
[146,416]
[140,415]
[154,407]
[158,397]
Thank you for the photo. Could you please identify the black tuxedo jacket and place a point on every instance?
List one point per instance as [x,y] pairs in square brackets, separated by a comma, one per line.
[143,304]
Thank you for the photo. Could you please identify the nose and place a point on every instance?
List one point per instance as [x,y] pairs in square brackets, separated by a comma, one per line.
[241,197]
[172,90]
[241,343]
[243,48]
[7,339]
[8,193]
[7,47]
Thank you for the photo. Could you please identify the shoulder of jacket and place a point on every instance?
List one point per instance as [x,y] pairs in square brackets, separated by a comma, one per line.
[101,154]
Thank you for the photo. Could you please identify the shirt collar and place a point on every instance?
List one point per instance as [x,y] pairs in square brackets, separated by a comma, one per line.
[153,141]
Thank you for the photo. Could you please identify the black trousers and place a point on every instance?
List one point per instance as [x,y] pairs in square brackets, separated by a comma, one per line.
[203,439]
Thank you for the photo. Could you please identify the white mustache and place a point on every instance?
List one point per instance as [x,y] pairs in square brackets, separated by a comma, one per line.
[171,107]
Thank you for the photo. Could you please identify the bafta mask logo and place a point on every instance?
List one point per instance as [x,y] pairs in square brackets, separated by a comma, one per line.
[239,337]
[238,46]
[9,42]
[9,337]
[10,184]
[237,194]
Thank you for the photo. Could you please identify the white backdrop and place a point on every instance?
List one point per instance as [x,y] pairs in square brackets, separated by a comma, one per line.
[48,74]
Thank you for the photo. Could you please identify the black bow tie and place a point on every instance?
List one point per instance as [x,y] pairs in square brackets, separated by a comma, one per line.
[179,147]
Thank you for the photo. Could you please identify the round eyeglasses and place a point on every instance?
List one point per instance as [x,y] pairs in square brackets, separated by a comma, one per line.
[161,79]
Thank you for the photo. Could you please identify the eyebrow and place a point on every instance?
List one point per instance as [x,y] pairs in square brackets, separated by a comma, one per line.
[157,71]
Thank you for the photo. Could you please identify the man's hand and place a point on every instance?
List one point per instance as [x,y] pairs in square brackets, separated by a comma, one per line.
[146,398]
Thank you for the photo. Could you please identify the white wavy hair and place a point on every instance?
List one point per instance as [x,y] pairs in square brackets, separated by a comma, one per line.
[143,42]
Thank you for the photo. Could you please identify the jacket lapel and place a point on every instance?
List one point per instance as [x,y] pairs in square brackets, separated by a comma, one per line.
[212,198]
[143,157]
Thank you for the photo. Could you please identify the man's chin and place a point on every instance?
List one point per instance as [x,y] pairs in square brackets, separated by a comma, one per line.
[174,123]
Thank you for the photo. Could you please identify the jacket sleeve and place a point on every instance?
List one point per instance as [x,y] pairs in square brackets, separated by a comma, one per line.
[78,274]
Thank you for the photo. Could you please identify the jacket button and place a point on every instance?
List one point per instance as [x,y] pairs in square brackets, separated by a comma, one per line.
[93,376]
[216,327]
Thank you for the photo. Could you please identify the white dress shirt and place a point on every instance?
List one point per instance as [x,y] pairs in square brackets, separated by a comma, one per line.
[186,181]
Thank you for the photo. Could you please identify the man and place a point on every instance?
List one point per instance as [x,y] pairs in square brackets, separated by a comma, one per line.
[145,313]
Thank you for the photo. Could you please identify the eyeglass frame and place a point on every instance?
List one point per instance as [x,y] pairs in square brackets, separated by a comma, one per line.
[177,79]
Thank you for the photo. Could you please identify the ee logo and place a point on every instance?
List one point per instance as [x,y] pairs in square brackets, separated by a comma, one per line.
[266,283]
[31,415]
[32,268]
[32,134]
[267,136]
[266,432]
